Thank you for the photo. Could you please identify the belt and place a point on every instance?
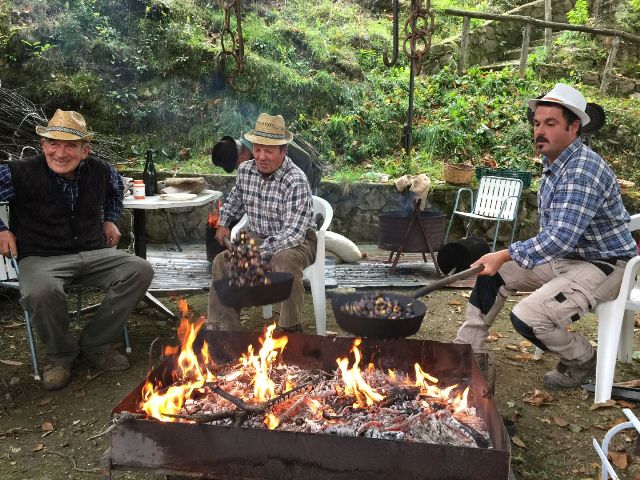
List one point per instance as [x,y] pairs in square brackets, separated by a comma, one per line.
[610,261]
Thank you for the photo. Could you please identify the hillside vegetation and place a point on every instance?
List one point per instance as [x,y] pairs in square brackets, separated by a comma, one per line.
[148,74]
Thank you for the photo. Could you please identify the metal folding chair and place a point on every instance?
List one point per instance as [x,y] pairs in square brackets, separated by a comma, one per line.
[498,200]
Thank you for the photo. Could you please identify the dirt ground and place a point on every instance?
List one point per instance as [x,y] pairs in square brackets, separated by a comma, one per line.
[55,435]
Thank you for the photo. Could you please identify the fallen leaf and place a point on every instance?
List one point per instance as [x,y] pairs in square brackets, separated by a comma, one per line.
[46,427]
[630,384]
[575,428]
[561,422]
[544,420]
[455,302]
[619,459]
[491,338]
[609,403]
[625,404]
[537,398]
[45,401]
[498,334]
[512,348]
[14,363]
[516,441]
[38,447]
[602,426]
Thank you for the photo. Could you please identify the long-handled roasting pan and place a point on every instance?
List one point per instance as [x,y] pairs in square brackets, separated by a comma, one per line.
[278,289]
[366,326]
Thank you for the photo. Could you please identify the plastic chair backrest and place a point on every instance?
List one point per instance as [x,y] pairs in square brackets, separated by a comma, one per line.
[493,191]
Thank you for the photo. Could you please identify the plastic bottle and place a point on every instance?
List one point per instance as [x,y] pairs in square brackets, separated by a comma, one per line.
[149,175]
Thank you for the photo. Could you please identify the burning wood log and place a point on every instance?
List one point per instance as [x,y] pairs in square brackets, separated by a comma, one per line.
[263,391]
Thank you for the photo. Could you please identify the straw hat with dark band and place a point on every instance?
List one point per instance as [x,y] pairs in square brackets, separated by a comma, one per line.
[269,131]
[65,125]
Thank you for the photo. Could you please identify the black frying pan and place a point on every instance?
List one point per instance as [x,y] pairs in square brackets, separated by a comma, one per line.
[365,326]
[277,290]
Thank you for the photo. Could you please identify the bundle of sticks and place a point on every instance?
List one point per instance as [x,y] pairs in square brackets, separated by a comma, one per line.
[19,117]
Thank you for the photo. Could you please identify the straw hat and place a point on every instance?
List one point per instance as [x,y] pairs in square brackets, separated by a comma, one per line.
[65,125]
[269,131]
[568,97]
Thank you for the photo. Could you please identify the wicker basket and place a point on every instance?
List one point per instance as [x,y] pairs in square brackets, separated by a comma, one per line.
[458,174]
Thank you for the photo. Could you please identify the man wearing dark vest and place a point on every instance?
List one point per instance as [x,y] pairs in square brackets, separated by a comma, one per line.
[64,208]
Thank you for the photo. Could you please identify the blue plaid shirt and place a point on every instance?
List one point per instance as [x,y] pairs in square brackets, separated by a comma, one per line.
[112,202]
[279,207]
[581,212]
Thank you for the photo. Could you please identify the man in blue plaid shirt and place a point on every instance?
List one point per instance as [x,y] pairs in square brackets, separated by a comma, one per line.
[65,206]
[577,259]
[276,196]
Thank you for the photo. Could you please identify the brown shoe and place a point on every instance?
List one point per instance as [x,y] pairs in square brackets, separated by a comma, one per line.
[56,377]
[106,359]
[566,376]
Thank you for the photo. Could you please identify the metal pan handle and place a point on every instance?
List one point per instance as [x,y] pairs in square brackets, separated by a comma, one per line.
[447,281]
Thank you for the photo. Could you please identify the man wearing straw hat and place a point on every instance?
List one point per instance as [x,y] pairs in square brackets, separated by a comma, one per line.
[577,259]
[229,154]
[277,199]
[65,206]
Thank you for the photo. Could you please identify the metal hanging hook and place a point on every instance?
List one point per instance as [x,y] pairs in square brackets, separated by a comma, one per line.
[395,33]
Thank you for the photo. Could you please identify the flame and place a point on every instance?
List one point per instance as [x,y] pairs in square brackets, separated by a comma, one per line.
[261,364]
[354,384]
[271,421]
[458,402]
[214,217]
[191,373]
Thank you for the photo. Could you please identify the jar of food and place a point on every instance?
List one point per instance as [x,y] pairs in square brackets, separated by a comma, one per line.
[138,190]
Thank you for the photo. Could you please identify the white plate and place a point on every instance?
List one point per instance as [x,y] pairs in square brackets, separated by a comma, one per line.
[178,197]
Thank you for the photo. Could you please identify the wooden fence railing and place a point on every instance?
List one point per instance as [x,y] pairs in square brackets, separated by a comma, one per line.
[530,22]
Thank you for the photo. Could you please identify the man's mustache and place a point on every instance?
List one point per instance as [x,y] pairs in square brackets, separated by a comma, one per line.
[541,138]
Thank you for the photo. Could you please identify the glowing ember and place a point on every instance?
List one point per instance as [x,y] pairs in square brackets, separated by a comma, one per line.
[262,391]
[214,217]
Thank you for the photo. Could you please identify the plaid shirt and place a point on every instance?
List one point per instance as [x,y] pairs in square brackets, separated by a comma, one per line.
[581,212]
[112,202]
[279,207]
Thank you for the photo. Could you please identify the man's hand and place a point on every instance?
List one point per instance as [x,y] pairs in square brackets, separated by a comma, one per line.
[492,262]
[8,244]
[111,234]
[222,233]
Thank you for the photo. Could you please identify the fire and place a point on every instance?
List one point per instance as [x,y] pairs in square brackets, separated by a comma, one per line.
[214,217]
[354,384]
[261,364]
[425,381]
[191,373]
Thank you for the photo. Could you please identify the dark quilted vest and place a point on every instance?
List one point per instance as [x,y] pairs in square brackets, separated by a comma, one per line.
[40,217]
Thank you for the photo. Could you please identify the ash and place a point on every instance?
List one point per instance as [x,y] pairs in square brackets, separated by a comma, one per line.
[316,402]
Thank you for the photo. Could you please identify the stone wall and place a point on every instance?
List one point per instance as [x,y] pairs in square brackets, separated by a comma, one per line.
[356,207]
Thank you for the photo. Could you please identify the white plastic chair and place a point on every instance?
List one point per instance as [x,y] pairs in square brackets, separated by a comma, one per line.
[498,200]
[9,278]
[314,273]
[607,470]
[615,326]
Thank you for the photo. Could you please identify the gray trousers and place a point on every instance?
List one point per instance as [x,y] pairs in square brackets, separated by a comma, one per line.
[563,290]
[292,260]
[125,278]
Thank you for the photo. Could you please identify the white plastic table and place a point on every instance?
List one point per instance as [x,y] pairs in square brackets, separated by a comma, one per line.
[140,207]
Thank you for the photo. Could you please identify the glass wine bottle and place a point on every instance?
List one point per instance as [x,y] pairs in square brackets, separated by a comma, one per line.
[149,175]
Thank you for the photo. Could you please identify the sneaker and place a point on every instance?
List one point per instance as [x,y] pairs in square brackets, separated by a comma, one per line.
[107,359]
[56,377]
[566,376]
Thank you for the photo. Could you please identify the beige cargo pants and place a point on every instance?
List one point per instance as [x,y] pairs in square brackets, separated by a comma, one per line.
[563,290]
[292,260]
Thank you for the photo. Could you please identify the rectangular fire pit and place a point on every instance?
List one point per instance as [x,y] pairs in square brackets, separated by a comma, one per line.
[227,452]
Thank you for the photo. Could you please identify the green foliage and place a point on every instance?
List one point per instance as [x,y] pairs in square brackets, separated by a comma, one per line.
[579,15]
[150,74]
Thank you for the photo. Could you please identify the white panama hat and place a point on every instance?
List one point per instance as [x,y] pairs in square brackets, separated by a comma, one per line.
[568,97]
